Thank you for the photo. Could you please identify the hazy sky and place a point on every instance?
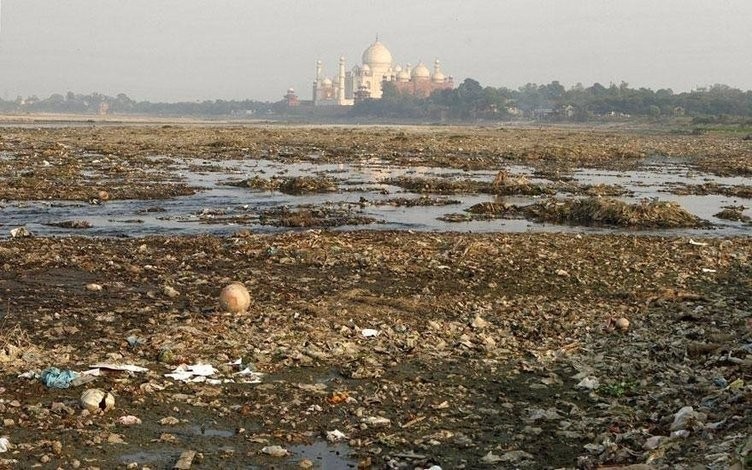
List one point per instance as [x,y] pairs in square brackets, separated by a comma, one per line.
[235,49]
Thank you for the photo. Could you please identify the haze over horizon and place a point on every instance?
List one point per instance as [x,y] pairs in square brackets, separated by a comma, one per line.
[231,49]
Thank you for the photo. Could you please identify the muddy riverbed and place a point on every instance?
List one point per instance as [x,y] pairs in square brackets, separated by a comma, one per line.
[381,333]
[230,194]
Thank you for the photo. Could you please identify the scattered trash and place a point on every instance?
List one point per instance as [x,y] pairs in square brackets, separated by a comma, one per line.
[96,400]
[376,421]
[653,442]
[622,324]
[490,458]
[192,373]
[335,436]
[53,377]
[708,270]
[275,451]
[20,232]
[692,242]
[688,419]
[454,390]
[234,298]
[588,383]
[119,367]
[4,444]
[369,332]
[94,287]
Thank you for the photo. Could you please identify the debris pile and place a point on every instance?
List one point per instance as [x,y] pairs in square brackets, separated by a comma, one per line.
[605,211]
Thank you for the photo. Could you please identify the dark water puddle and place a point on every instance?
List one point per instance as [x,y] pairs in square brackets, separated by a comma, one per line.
[325,455]
[165,458]
[221,209]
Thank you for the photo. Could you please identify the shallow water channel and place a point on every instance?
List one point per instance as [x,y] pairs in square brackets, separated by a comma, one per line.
[218,208]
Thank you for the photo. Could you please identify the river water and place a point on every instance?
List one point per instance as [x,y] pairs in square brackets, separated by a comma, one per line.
[362,191]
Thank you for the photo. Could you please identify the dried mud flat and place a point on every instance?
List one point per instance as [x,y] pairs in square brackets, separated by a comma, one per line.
[492,350]
[419,349]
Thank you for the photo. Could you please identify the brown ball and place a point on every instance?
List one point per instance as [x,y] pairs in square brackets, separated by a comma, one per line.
[234,298]
[103,195]
[622,324]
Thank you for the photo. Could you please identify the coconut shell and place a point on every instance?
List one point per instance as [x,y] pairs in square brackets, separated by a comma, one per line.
[234,298]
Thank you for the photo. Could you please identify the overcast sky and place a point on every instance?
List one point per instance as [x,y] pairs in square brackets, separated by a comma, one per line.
[236,49]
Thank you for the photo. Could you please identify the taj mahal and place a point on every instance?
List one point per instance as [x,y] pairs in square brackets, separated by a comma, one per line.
[364,81]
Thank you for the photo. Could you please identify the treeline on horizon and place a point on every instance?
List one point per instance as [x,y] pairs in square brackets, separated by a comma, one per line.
[471,101]
[468,102]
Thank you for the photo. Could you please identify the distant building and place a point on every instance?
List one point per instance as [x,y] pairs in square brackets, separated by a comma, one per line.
[365,81]
[291,98]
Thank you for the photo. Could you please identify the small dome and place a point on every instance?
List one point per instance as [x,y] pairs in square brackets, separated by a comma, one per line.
[366,68]
[327,82]
[403,76]
[438,77]
[421,71]
[377,54]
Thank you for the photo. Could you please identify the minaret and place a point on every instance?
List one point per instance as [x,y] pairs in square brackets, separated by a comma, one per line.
[437,66]
[317,81]
[341,82]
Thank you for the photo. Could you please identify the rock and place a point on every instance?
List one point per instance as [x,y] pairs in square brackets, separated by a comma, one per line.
[305,464]
[234,298]
[95,399]
[185,460]
[113,438]
[57,447]
[622,324]
[169,421]
[170,292]
[479,323]
[515,456]
[94,287]
[129,420]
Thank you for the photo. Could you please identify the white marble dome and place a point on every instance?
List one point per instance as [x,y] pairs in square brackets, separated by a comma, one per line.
[421,71]
[377,55]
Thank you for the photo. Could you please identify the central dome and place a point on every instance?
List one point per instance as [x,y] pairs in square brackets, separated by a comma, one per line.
[377,54]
